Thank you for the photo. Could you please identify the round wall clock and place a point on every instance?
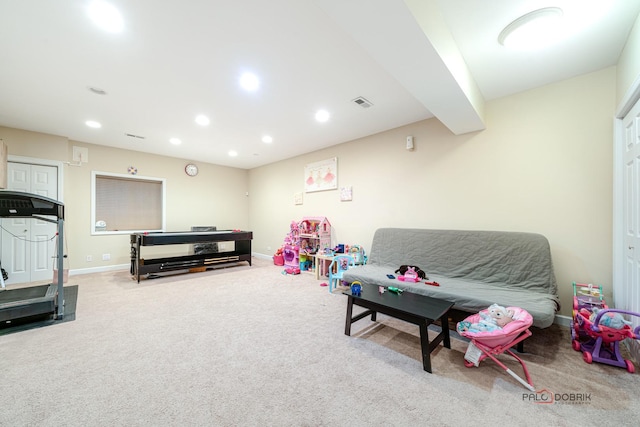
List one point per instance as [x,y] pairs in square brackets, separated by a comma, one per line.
[191,169]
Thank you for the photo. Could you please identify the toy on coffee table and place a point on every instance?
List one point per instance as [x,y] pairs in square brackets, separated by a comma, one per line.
[410,273]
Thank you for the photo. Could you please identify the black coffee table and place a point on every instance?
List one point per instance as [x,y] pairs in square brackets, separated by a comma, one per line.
[418,309]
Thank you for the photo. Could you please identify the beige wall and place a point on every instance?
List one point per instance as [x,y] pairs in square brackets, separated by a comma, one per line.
[544,164]
[216,196]
[34,144]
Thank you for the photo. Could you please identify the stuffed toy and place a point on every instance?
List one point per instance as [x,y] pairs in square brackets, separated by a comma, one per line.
[491,319]
[403,269]
[500,315]
[610,319]
[410,275]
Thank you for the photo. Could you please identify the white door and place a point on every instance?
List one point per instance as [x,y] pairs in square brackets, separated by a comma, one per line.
[28,244]
[630,298]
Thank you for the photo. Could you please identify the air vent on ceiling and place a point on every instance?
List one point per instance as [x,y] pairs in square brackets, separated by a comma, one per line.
[97,90]
[362,102]
[130,135]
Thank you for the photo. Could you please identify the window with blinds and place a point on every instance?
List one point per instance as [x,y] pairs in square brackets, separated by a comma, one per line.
[126,203]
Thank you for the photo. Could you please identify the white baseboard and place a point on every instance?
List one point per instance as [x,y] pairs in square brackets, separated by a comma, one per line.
[99,269]
[262,256]
[563,320]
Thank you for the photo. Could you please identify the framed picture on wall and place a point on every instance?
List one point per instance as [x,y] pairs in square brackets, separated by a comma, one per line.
[346,194]
[320,176]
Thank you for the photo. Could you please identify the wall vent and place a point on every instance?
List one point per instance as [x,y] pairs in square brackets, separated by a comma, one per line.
[362,102]
[130,135]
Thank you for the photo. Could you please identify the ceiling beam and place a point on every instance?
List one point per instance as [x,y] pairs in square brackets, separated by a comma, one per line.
[412,42]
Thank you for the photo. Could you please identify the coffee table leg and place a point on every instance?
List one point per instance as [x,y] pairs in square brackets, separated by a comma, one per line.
[444,322]
[347,325]
[424,344]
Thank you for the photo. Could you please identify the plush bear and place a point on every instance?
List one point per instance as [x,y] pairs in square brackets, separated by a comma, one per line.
[500,315]
[491,319]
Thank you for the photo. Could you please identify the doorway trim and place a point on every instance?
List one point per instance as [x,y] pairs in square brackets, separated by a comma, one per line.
[618,287]
[44,162]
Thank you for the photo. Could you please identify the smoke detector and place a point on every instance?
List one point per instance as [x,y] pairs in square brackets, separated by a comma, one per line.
[362,102]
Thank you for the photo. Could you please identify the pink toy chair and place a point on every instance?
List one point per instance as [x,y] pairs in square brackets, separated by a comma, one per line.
[492,343]
[338,266]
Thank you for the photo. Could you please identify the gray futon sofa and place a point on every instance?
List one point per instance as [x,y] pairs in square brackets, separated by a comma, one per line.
[474,268]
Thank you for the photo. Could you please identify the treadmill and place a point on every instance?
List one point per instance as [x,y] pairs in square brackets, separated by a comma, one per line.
[34,300]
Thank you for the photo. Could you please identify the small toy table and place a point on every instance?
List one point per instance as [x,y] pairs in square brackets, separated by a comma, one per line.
[322,264]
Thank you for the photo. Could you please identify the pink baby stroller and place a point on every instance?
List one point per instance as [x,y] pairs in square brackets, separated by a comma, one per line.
[600,343]
[494,341]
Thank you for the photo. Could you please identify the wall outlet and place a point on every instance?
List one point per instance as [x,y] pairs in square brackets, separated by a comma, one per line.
[106,257]
[89,258]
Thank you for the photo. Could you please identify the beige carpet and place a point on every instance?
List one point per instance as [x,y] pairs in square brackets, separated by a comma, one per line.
[251,346]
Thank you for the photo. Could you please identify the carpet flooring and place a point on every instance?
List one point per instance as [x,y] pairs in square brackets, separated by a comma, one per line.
[251,346]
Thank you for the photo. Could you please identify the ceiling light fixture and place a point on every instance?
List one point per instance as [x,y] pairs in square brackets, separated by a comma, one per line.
[249,82]
[232,153]
[106,16]
[322,115]
[532,30]
[93,124]
[202,120]
[175,141]
[267,139]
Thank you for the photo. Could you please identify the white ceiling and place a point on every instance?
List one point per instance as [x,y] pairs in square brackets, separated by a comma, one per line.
[412,59]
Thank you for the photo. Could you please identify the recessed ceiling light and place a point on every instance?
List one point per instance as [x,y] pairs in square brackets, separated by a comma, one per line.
[267,139]
[106,16]
[202,120]
[322,115]
[532,30]
[175,141]
[249,82]
[232,153]
[93,124]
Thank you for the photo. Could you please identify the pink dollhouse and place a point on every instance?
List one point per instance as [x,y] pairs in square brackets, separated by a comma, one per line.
[310,235]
